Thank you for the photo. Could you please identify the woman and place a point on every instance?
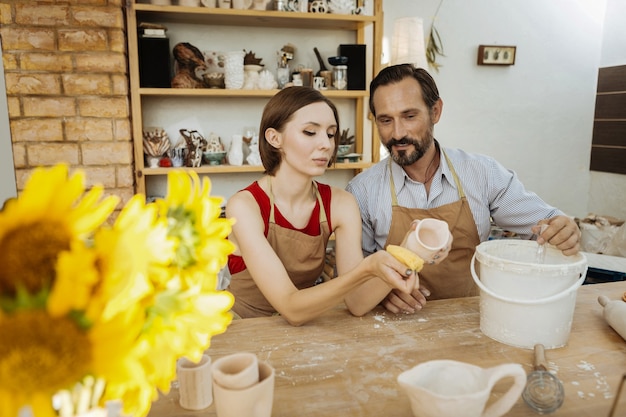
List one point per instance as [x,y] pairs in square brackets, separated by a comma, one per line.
[284,221]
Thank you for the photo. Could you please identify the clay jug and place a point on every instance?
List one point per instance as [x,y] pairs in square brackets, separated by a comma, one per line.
[447,388]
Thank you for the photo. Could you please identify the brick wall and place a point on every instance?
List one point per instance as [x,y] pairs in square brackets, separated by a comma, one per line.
[67,88]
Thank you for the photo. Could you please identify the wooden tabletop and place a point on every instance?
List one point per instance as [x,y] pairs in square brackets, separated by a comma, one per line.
[341,365]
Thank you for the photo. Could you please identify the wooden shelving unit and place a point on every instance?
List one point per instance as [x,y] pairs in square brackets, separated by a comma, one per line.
[263,21]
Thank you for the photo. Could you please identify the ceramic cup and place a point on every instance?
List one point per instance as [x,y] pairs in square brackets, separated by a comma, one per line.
[236,371]
[261,4]
[446,388]
[242,4]
[318,83]
[254,401]
[307,77]
[194,382]
[430,236]
[328,78]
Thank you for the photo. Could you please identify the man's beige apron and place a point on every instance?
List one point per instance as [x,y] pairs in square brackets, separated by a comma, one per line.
[451,278]
[302,255]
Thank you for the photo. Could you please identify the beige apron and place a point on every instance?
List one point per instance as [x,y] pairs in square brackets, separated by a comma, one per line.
[451,278]
[302,255]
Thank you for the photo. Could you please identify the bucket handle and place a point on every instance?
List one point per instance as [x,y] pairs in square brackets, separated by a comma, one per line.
[482,287]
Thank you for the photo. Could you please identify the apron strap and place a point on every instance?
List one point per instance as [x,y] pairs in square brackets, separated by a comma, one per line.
[322,216]
[454,175]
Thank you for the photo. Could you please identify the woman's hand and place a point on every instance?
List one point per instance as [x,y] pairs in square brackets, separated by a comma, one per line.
[392,271]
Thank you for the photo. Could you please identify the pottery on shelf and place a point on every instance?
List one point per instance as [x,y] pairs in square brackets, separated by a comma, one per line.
[233,69]
[235,152]
[343,149]
[214,79]
[213,158]
[156,142]
[251,76]
[196,144]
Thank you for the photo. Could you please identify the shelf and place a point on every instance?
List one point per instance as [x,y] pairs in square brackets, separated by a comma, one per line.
[222,92]
[257,18]
[151,105]
[230,169]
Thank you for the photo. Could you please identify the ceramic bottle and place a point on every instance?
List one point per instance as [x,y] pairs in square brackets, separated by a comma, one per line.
[235,152]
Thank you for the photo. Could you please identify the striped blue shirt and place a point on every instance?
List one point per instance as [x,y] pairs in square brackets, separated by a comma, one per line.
[491,190]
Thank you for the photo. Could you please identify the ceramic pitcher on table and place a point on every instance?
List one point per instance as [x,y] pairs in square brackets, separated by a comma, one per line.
[447,388]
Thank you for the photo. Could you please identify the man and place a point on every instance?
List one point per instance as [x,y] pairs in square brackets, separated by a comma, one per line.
[421,179]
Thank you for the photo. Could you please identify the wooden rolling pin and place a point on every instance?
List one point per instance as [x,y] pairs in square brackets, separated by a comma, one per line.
[615,314]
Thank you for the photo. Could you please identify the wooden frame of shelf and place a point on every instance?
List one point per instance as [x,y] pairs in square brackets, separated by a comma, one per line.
[250,18]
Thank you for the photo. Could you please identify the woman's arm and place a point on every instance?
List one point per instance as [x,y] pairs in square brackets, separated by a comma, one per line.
[269,274]
[347,221]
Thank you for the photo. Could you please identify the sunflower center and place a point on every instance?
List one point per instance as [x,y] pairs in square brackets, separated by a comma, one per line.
[42,354]
[28,256]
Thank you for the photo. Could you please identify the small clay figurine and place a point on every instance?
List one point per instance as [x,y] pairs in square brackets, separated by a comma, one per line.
[190,66]
[196,145]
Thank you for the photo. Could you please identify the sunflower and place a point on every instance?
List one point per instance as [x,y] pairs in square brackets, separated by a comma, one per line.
[190,309]
[120,302]
[194,221]
[51,213]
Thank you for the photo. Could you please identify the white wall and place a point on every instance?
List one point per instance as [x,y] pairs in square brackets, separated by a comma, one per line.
[608,191]
[535,117]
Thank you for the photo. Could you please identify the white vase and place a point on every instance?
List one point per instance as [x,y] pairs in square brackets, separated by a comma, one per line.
[233,69]
[235,152]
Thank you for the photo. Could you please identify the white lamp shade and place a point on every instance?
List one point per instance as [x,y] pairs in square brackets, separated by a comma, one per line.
[407,43]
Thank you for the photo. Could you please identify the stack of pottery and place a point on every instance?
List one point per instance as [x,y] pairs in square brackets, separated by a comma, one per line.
[243,386]
[233,69]
[341,6]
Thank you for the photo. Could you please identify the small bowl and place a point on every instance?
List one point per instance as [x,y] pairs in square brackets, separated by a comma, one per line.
[350,157]
[343,149]
[214,79]
[337,60]
[213,158]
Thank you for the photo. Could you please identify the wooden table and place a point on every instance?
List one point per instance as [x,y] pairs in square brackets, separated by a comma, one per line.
[341,365]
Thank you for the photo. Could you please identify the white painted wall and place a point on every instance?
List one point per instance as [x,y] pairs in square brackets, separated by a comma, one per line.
[535,117]
[608,191]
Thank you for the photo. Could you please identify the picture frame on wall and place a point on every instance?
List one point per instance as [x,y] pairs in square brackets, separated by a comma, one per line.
[496,55]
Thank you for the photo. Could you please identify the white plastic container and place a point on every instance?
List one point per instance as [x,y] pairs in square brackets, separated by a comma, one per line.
[513,314]
[509,268]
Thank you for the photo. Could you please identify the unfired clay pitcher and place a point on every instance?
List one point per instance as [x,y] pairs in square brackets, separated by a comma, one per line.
[447,388]
[429,237]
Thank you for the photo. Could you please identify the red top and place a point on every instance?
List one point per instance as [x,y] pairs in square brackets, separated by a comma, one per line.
[236,263]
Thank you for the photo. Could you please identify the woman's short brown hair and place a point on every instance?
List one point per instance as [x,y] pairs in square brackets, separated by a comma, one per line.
[278,111]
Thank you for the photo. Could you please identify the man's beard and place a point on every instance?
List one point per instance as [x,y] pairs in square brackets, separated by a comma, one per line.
[402,157]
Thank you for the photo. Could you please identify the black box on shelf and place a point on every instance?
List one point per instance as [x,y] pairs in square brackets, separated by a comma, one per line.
[356,65]
[154,62]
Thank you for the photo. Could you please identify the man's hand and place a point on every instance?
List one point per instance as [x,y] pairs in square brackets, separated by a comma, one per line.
[562,232]
[399,302]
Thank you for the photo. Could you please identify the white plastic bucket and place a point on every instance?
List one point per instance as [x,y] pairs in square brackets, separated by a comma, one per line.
[509,268]
[524,322]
